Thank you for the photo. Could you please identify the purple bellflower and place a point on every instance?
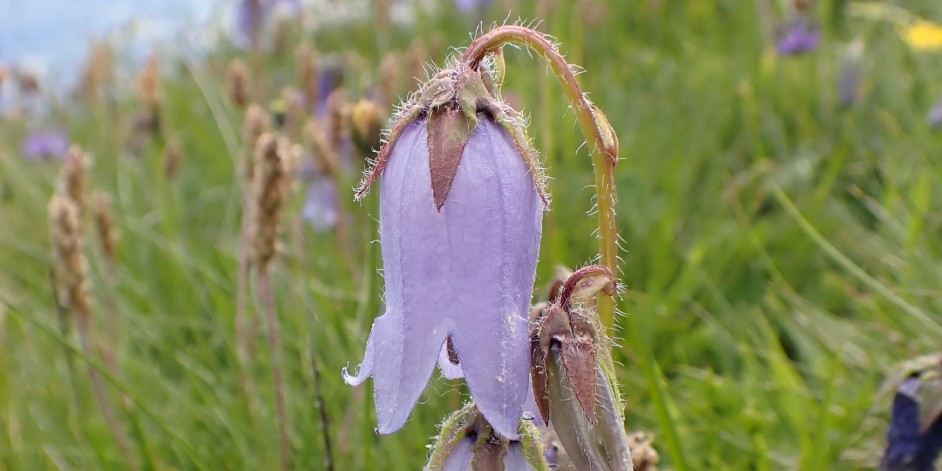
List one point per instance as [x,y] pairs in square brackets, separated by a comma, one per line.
[45,145]
[461,209]
[320,209]
[914,437]
[798,37]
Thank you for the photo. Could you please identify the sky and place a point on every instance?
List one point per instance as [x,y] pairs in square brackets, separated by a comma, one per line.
[51,37]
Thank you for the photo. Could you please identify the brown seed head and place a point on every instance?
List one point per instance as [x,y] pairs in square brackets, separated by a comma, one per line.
[643,455]
[256,123]
[104,225]
[327,158]
[148,82]
[390,70]
[307,73]
[239,88]
[173,155]
[73,178]
[97,72]
[270,193]
[68,256]
[27,82]
[337,111]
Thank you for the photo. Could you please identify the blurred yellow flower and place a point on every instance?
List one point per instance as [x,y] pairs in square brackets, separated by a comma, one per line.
[923,36]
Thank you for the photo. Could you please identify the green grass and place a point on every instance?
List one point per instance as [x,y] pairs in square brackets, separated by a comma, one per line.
[782,254]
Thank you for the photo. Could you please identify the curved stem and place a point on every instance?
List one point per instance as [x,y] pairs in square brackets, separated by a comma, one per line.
[595,128]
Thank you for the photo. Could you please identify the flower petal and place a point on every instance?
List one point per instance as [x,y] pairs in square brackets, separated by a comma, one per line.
[460,457]
[449,369]
[515,460]
[493,265]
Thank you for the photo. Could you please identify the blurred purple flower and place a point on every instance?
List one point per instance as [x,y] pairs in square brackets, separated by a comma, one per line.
[935,115]
[469,5]
[330,79]
[848,85]
[251,16]
[909,447]
[798,37]
[320,209]
[463,271]
[45,145]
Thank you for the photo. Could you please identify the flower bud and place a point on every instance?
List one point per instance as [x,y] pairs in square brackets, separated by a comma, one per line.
[468,442]
[571,389]
[460,224]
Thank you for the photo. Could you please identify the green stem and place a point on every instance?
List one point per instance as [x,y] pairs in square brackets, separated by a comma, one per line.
[594,125]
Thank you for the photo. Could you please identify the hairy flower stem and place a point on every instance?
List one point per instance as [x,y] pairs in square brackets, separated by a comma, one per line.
[594,125]
[268,299]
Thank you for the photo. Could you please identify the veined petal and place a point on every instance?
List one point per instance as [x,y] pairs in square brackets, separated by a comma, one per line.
[493,264]
[463,270]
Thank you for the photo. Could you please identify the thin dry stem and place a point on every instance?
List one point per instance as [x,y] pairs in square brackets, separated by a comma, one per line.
[69,275]
[239,87]
[274,340]
[108,241]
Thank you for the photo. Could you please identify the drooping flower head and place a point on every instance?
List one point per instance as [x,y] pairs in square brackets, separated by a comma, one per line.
[45,145]
[798,37]
[461,209]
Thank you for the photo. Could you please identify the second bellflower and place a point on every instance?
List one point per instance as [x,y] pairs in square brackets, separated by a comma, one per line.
[461,209]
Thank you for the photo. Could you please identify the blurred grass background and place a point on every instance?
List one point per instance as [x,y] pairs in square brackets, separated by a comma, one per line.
[782,251]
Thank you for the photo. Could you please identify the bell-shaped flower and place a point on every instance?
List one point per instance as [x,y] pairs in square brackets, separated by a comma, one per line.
[460,225]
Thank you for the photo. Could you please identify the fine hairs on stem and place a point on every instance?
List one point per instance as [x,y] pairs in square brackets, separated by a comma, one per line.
[270,187]
[603,143]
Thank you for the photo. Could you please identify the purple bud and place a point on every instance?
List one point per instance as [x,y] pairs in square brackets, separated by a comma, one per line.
[798,37]
[459,261]
[468,443]
[571,388]
[46,145]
